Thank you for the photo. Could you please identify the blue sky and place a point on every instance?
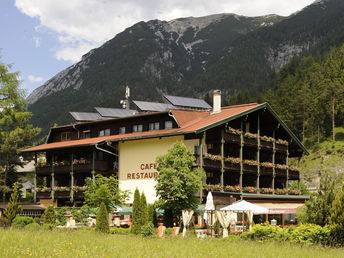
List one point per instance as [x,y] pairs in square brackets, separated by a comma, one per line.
[42,37]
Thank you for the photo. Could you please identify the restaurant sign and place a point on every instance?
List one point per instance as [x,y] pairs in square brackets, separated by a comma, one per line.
[145,172]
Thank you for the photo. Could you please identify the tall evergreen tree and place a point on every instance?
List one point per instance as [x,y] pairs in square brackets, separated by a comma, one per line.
[144,209]
[49,215]
[102,219]
[136,226]
[15,130]
[13,208]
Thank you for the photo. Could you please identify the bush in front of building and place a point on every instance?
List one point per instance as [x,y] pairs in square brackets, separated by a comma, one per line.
[148,230]
[302,234]
[21,221]
[13,208]
[102,220]
[33,226]
[120,231]
[49,215]
[140,212]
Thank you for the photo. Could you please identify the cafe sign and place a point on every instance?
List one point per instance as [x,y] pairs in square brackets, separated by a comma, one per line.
[144,172]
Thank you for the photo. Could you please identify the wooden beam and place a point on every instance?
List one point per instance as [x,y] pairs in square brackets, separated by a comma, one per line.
[35,180]
[273,160]
[287,163]
[258,153]
[204,180]
[72,178]
[241,154]
[52,177]
[222,157]
[93,166]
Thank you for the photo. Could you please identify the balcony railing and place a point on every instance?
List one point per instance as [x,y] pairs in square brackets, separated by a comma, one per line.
[62,192]
[251,189]
[230,163]
[63,167]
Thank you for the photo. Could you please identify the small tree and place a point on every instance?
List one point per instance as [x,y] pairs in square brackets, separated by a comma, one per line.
[136,225]
[13,208]
[337,209]
[177,181]
[49,215]
[102,219]
[151,214]
[144,209]
[106,190]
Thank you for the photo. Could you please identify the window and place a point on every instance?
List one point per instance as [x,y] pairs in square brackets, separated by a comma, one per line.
[65,136]
[86,134]
[105,132]
[168,124]
[137,128]
[121,130]
[154,126]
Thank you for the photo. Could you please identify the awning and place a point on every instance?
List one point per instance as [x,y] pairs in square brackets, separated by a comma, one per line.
[124,210]
[244,206]
[280,208]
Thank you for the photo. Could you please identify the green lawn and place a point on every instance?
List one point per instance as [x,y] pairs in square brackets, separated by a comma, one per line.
[24,243]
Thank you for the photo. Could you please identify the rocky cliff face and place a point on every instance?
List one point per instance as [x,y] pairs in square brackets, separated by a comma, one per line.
[188,56]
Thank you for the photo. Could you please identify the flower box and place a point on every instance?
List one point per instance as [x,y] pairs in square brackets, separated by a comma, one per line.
[266,190]
[234,189]
[266,144]
[250,189]
[232,138]
[213,187]
[281,191]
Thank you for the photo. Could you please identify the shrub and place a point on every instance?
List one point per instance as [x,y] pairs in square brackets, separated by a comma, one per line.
[336,235]
[102,220]
[147,230]
[60,216]
[48,226]
[264,232]
[49,215]
[168,231]
[309,234]
[21,221]
[33,226]
[120,231]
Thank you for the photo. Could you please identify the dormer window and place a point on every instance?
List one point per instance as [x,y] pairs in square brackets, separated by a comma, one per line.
[104,132]
[121,130]
[137,128]
[65,136]
[154,126]
[168,124]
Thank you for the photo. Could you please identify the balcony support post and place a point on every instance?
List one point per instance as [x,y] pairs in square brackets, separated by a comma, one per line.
[93,166]
[258,153]
[52,178]
[204,180]
[241,155]
[273,160]
[35,180]
[287,164]
[222,156]
[72,178]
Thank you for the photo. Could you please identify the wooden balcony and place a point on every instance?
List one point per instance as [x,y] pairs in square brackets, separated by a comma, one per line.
[99,165]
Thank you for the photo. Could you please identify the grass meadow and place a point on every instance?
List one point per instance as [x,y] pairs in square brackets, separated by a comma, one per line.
[41,243]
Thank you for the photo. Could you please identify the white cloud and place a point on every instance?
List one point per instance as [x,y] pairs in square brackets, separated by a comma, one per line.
[33,78]
[83,24]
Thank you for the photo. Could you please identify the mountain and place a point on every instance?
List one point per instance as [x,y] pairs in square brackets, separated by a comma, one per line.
[188,56]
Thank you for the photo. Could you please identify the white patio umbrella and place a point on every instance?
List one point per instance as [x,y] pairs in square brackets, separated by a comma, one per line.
[209,215]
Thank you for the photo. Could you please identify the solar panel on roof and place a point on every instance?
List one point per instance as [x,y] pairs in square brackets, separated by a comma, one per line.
[115,112]
[86,116]
[187,102]
[152,106]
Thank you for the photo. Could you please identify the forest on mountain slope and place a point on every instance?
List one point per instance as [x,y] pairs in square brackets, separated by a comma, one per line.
[308,94]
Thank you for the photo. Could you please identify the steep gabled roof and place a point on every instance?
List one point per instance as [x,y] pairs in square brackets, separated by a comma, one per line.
[188,121]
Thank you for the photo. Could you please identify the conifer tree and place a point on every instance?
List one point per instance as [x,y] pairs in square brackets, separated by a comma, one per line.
[337,209]
[102,219]
[144,209]
[15,130]
[13,208]
[49,215]
[136,227]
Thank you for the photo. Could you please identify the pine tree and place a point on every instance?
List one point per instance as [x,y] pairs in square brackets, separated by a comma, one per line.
[144,209]
[13,208]
[136,227]
[49,215]
[15,130]
[102,220]
[337,209]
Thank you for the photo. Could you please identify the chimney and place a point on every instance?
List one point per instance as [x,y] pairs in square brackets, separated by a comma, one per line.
[216,101]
